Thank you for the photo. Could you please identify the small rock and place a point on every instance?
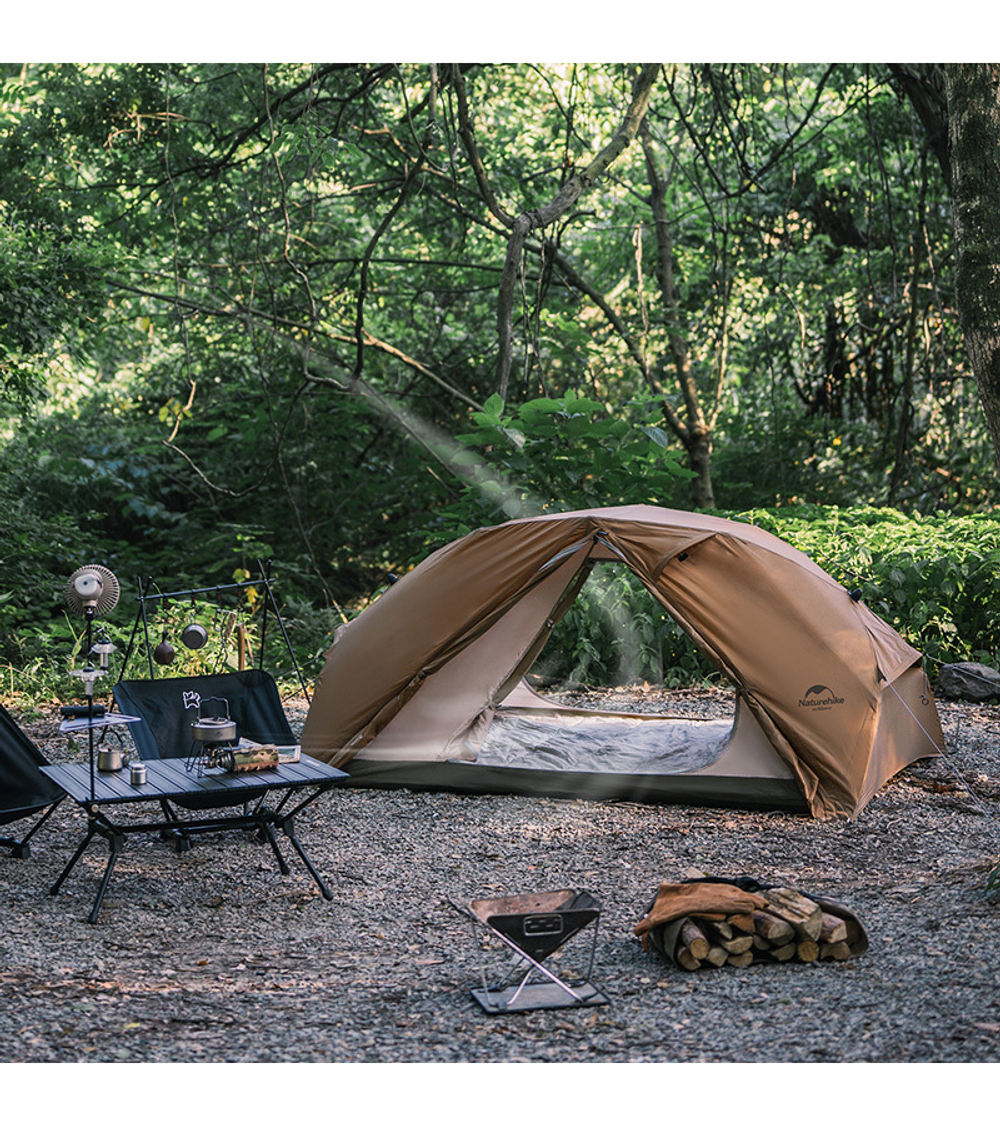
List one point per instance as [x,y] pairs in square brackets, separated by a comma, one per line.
[967,680]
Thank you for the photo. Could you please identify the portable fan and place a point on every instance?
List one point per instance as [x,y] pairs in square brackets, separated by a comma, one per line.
[92,591]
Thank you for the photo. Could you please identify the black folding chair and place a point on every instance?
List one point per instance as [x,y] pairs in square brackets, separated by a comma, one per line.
[24,790]
[167,709]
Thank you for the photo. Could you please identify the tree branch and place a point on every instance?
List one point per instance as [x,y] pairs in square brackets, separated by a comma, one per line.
[571,191]
[522,225]
[412,175]
[923,85]
[466,131]
[241,312]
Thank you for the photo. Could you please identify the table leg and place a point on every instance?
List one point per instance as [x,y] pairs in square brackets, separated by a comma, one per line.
[72,863]
[116,844]
[269,835]
[174,829]
[288,827]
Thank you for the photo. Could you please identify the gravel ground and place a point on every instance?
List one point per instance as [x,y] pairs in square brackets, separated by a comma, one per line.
[213,956]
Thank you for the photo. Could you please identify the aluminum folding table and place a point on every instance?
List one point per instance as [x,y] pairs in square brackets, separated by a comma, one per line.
[101,795]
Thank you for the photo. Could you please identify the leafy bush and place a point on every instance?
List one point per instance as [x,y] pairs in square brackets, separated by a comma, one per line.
[617,633]
[34,546]
[559,455]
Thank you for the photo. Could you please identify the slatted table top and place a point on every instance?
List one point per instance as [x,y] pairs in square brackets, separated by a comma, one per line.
[171,778]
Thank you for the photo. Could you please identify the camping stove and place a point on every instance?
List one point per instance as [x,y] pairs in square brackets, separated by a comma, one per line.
[213,735]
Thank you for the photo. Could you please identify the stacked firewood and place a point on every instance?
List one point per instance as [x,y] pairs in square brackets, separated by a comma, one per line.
[789,927]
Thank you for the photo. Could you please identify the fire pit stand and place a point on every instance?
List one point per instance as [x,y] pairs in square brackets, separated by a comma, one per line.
[536,926]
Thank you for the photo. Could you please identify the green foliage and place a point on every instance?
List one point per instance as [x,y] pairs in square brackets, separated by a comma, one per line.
[616,632]
[793,459]
[50,296]
[34,546]
[559,454]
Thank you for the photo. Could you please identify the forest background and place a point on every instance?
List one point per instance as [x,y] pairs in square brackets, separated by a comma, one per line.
[333,315]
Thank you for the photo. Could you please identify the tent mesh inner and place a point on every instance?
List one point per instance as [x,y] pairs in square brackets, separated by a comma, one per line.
[603,743]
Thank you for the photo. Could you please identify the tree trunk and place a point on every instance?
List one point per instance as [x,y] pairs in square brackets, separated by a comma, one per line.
[699,453]
[695,429]
[973,91]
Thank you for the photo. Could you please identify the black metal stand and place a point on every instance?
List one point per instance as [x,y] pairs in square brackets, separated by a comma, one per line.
[89,674]
[150,597]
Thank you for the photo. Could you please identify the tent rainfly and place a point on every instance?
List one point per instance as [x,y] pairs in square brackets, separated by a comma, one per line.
[425,689]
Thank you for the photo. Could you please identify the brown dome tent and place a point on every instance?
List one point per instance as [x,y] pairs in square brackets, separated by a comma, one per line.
[425,688]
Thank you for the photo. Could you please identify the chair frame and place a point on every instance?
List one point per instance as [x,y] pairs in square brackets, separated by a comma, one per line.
[20,846]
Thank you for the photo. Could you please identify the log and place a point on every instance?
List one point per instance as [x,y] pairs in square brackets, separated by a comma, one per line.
[693,938]
[717,956]
[740,960]
[718,931]
[807,950]
[801,913]
[833,929]
[737,945]
[771,928]
[782,952]
[741,922]
[834,951]
[686,961]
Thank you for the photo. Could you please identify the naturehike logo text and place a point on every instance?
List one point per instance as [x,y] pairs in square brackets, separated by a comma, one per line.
[821,697]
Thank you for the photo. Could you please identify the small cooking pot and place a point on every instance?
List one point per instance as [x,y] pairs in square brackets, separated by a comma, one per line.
[164,652]
[194,635]
[110,760]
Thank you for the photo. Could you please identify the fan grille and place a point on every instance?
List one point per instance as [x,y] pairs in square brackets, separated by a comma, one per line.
[92,587]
